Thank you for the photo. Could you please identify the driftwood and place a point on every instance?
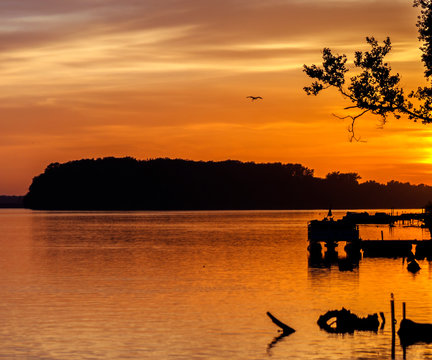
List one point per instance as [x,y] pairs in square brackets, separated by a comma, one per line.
[286,330]
[411,332]
[344,321]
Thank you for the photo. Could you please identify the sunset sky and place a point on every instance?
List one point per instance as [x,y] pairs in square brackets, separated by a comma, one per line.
[169,78]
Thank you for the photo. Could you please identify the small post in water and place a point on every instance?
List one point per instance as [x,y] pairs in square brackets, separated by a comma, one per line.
[382,235]
[403,311]
[393,323]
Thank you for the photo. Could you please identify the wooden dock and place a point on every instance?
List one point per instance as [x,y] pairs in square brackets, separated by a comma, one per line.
[330,232]
[389,248]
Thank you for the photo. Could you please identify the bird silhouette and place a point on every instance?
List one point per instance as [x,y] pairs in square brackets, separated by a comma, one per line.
[253,98]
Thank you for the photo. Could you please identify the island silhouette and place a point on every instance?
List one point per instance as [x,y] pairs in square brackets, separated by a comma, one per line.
[174,184]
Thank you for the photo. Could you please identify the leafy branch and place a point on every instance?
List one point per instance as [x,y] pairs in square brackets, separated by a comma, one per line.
[376,89]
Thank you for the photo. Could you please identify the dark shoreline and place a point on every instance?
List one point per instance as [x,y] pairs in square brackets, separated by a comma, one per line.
[11,202]
[209,210]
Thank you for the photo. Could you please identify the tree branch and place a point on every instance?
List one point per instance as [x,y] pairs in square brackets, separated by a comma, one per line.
[351,126]
[375,88]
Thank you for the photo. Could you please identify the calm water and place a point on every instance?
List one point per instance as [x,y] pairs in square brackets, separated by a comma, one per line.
[190,285]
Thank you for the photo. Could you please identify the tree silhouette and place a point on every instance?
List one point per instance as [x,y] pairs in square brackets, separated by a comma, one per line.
[176,184]
[375,89]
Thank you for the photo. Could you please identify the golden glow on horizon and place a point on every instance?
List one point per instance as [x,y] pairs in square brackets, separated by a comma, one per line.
[92,80]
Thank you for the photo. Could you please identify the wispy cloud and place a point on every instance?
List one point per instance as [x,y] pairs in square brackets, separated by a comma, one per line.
[169,78]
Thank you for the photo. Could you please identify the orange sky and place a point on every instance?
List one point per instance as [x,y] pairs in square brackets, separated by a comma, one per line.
[151,78]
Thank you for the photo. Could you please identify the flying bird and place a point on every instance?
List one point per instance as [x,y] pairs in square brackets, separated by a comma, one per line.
[253,98]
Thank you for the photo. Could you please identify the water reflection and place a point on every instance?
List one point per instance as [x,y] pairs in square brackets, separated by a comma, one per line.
[274,342]
[190,285]
[319,257]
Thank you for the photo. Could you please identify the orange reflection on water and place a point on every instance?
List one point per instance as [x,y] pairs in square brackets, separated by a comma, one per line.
[187,285]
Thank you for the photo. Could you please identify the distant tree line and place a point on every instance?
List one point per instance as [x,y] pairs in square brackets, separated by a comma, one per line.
[11,201]
[175,184]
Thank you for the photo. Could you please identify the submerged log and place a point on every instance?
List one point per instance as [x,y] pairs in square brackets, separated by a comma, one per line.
[411,332]
[344,321]
[286,330]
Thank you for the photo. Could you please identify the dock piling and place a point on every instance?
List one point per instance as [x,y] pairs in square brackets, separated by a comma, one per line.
[393,324]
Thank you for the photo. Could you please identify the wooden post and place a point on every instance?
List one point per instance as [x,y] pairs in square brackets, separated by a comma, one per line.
[382,235]
[403,311]
[393,323]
